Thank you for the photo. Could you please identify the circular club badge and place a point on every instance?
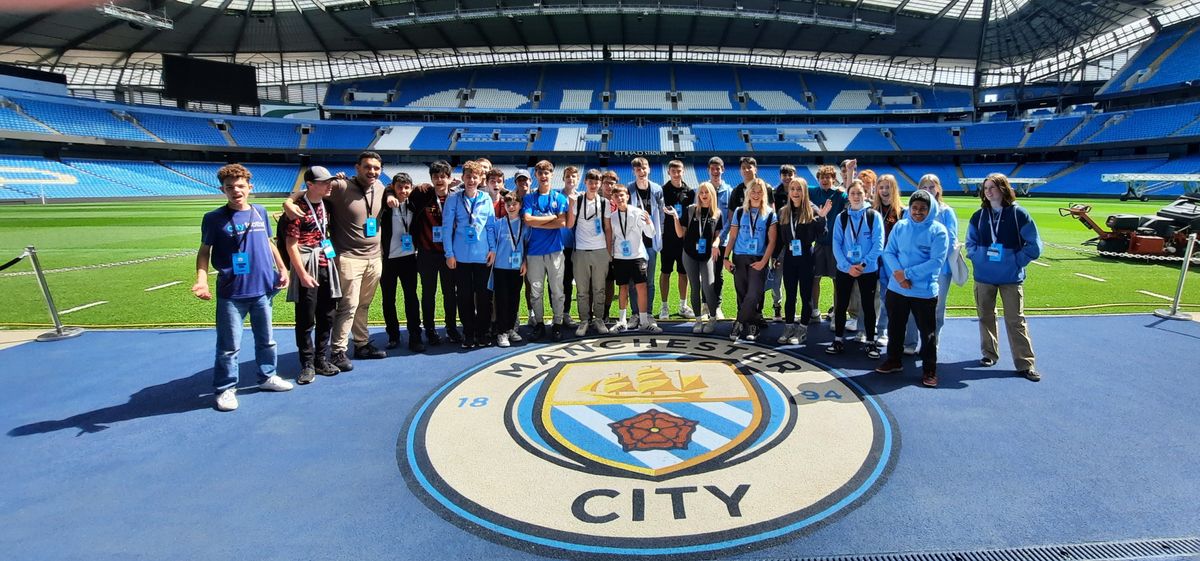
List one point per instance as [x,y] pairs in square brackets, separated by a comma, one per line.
[646,445]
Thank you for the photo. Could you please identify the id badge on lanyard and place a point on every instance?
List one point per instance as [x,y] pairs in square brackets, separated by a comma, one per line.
[854,255]
[995,252]
[241,263]
[437,234]
[406,242]
[327,248]
[599,227]
[371,228]
[701,246]
[472,234]
[626,248]
[797,248]
[514,260]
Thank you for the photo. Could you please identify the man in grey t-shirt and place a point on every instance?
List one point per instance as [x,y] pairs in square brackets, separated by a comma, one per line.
[357,203]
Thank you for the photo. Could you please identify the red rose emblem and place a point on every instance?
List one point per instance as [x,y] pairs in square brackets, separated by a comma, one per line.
[654,430]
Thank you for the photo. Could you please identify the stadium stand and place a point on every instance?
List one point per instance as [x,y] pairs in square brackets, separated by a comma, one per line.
[923,137]
[1129,78]
[993,135]
[267,178]
[1050,132]
[83,120]
[145,176]
[344,136]
[572,87]
[265,133]
[870,140]
[38,176]
[13,121]
[181,128]
[1149,123]
[1086,179]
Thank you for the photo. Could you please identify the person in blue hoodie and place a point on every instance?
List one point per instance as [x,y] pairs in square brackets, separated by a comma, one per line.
[914,255]
[1001,240]
[509,235]
[857,245]
[943,214]
[469,254]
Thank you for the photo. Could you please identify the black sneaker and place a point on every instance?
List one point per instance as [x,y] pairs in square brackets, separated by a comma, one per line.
[392,343]
[872,350]
[752,333]
[485,339]
[538,332]
[307,374]
[323,368]
[1031,375]
[556,332]
[415,345]
[453,335]
[468,342]
[368,351]
[836,348]
[342,363]
[433,338]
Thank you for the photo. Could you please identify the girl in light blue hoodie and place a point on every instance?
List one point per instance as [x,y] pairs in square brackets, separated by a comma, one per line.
[915,255]
[857,245]
[942,213]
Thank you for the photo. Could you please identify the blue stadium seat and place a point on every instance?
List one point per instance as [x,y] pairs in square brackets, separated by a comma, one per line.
[181,128]
[78,119]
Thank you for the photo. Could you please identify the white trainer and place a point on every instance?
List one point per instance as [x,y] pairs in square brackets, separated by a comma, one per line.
[698,328]
[787,334]
[650,327]
[687,312]
[514,336]
[799,334]
[275,384]
[502,340]
[710,326]
[851,324]
[910,350]
[600,327]
[582,329]
[720,314]
[619,326]
[227,400]
[664,312]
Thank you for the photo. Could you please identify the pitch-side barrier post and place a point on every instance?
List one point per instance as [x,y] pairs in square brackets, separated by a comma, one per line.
[1174,313]
[59,332]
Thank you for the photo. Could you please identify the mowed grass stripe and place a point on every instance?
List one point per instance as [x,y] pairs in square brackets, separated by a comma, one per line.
[92,233]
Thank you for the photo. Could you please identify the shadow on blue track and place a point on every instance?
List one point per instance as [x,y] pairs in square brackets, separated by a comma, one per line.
[180,395]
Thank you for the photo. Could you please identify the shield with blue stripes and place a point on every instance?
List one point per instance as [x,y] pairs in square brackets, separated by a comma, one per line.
[650,417]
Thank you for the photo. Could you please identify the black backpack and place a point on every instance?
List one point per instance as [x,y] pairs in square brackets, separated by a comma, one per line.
[844,220]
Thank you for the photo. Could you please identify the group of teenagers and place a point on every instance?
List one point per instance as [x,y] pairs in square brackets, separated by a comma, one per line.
[342,238]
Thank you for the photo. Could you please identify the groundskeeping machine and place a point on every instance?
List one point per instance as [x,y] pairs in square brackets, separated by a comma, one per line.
[1164,233]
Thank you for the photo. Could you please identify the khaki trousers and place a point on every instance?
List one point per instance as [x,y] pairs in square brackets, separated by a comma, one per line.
[360,278]
[1013,296]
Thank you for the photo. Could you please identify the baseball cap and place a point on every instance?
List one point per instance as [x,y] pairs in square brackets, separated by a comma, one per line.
[317,173]
[521,173]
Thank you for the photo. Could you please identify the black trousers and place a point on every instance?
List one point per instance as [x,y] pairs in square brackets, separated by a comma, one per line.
[568,281]
[474,298]
[432,267]
[924,311]
[404,270]
[843,288]
[314,307]
[798,270]
[506,285]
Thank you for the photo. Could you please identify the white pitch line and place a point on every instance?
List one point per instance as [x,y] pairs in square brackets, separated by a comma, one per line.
[1090,277]
[153,288]
[1148,293]
[83,307]
[1040,264]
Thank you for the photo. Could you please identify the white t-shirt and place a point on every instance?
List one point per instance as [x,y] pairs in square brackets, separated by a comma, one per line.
[586,220]
[627,229]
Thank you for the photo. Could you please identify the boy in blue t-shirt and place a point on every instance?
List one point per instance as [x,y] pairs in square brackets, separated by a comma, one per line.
[236,239]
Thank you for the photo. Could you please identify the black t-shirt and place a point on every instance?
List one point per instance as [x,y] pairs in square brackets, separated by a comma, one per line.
[682,196]
[806,233]
[781,197]
[738,196]
[701,225]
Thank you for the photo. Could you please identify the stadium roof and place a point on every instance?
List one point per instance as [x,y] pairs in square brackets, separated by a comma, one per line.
[992,32]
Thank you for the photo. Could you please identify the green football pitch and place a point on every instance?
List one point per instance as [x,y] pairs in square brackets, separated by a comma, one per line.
[138,259]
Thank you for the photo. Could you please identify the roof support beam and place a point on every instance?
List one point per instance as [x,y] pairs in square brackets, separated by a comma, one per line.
[58,53]
[203,32]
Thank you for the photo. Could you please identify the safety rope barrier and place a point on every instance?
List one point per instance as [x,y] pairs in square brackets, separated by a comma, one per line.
[14,261]
[1092,251]
[95,266]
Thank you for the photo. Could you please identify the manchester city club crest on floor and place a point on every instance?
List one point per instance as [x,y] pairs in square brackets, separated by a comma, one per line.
[646,446]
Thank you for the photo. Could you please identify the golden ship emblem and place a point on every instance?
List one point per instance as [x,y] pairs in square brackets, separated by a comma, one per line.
[651,382]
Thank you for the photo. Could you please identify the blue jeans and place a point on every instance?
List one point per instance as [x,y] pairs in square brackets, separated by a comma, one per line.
[230,314]
[651,281]
[910,336]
